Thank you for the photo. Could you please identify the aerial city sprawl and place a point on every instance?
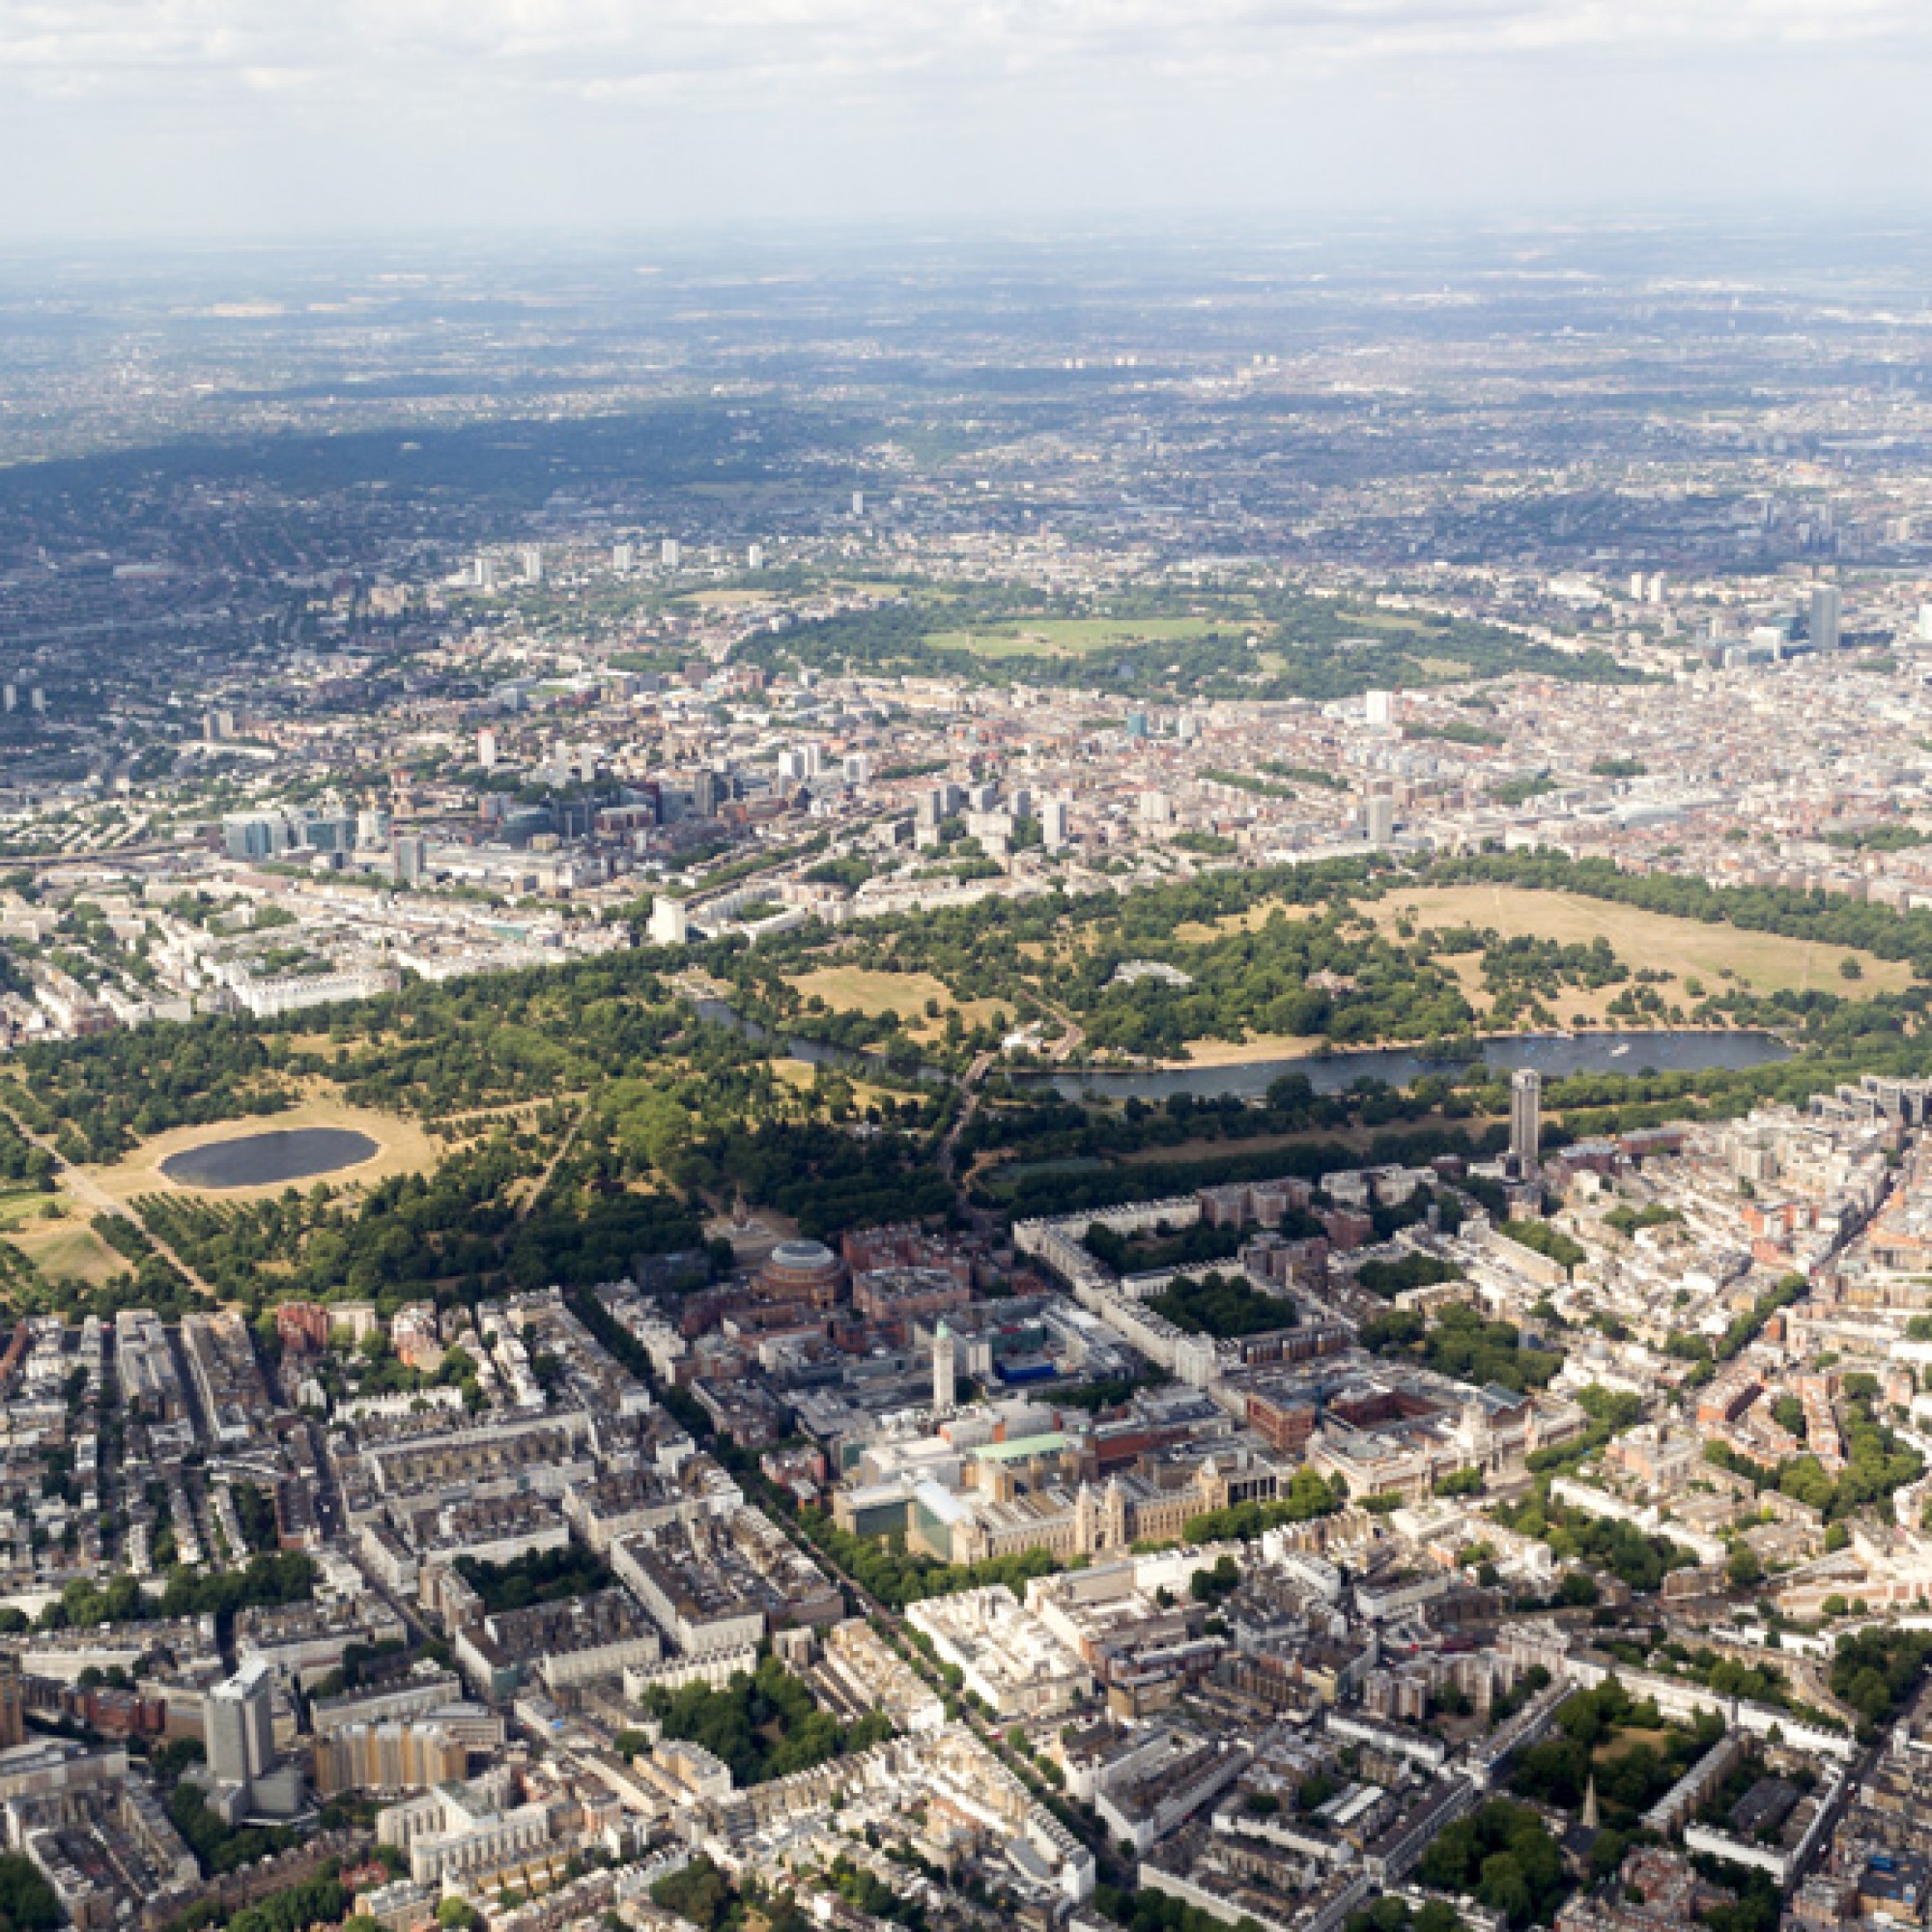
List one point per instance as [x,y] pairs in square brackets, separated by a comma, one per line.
[1082,1088]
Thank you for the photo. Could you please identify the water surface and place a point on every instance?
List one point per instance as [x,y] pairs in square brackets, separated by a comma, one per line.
[262,1160]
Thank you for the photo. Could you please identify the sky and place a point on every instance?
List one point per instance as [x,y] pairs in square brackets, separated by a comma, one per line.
[156,120]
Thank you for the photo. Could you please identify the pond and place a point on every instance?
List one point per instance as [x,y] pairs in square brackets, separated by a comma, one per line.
[264,1160]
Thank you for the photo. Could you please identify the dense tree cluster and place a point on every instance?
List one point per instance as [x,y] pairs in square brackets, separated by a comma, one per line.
[1875,1670]
[886,1570]
[1224,1306]
[1630,1773]
[1639,1561]
[1309,1495]
[1390,1279]
[1541,1238]
[1504,1857]
[763,1725]
[1460,1343]
[537,1576]
[27,1901]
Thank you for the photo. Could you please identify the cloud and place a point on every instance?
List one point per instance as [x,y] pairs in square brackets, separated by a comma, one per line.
[342,111]
[598,48]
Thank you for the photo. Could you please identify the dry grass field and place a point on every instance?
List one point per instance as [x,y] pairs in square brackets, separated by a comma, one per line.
[859,989]
[1763,961]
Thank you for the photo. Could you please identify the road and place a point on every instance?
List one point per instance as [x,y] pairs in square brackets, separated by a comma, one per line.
[968,1087]
[542,1187]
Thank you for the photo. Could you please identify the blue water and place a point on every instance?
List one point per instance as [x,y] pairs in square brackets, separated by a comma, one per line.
[1552,1055]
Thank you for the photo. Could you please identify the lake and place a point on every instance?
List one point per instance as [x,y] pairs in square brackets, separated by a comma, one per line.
[263,1160]
[1684,1050]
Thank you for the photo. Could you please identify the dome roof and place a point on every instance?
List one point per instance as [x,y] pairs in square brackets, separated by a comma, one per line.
[803,1255]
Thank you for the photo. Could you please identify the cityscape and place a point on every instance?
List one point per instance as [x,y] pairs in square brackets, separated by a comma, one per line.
[1057,1077]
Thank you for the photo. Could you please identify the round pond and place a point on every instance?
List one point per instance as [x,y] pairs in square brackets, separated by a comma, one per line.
[263,1160]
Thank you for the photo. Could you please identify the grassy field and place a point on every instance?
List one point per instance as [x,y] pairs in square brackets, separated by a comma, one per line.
[403,1149]
[858,989]
[801,1075]
[1688,947]
[67,1250]
[1198,932]
[1076,637]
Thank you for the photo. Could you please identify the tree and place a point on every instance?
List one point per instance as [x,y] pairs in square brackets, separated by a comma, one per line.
[27,1901]
[1744,1567]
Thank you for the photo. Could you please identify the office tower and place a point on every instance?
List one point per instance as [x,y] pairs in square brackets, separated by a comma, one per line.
[754,557]
[624,556]
[1053,824]
[708,791]
[332,831]
[255,835]
[858,503]
[238,1717]
[1828,616]
[1137,724]
[945,1372]
[485,749]
[1379,815]
[412,859]
[373,826]
[673,552]
[1525,1119]
[13,1702]
[1378,707]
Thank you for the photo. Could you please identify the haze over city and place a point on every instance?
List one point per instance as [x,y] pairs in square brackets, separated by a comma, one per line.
[128,120]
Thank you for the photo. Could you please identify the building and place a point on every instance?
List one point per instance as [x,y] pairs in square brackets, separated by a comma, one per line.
[466,1833]
[1525,1119]
[945,1366]
[803,1271]
[391,1756]
[1828,617]
[13,1702]
[240,1723]
[670,924]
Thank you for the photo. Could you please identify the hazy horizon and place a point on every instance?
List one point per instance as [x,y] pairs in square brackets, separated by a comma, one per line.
[196,120]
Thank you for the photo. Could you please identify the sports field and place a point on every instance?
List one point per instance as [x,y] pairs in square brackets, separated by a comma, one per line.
[1764,961]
